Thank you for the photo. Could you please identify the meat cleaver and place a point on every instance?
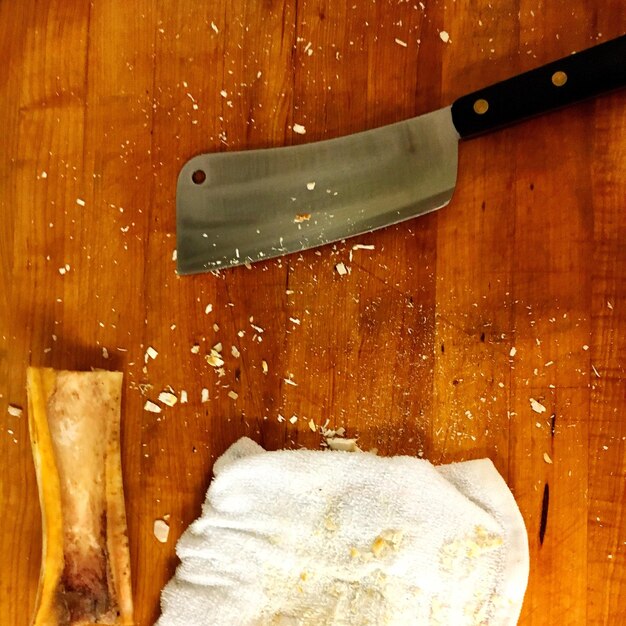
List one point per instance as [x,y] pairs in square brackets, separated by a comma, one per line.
[236,208]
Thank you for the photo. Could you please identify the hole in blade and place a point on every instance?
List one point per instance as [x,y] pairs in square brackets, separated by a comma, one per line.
[198,177]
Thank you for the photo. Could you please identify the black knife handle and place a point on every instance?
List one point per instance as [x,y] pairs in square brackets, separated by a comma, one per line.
[573,78]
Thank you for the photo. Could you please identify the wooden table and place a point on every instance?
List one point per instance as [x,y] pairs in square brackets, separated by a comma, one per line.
[433,344]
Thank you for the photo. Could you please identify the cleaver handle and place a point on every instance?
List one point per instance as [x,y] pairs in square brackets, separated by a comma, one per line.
[573,78]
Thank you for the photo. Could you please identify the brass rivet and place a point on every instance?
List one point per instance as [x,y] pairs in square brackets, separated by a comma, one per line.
[559,78]
[481,106]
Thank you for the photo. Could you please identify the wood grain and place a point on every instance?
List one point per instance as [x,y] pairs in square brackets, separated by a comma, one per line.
[100,105]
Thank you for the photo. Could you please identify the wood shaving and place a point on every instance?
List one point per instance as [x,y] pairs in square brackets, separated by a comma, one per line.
[183,397]
[208,308]
[401,43]
[444,36]
[387,541]
[195,349]
[150,353]
[14,411]
[513,351]
[341,269]
[151,407]
[214,359]
[312,425]
[299,129]
[233,395]
[105,353]
[546,458]
[235,352]
[168,398]
[363,246]
[342,445]
[204,397]
[161,530]
[310,186]
[293,419]
[537,407]
[302,217]
[264,367]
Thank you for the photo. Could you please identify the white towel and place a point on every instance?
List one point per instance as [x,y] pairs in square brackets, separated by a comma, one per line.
[313,538]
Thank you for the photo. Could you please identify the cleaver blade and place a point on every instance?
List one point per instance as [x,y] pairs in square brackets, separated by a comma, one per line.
[235,208]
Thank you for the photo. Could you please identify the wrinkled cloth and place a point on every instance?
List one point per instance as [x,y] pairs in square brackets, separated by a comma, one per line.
[314,538]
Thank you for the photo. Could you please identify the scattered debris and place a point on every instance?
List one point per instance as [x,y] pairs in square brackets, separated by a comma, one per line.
[293,419]
[150,353]
[183,397]
[80,202]
[595,371]
[195,349]
[65,269]
[310,186]
[342,445]
[289,381]
[208,308]
[341,269]
[312,425]
[214,359]
[168,398]
[386,542]
[233,395]
[161,530]
[302,217]
[205,395]
[264,367]
[151,407]
[546,458]
[513,351]
[14,410]
[235,352]
[444,36]
[537,407]
[401,43]
[214,27]
[299,128]
[105,353]
[363,246]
